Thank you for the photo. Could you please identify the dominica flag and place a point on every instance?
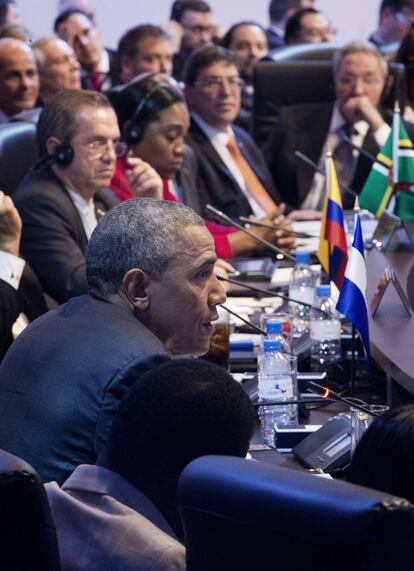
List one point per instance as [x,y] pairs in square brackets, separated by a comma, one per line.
[332,251]
[393,170]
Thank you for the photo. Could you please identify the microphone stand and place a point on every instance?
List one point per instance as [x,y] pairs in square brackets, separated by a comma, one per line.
[326,393]
[230,222]
[246,321]
[276,227]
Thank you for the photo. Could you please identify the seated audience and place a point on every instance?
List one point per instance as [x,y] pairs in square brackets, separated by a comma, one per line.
[63,197]
[395,19]
[16,31]
[99,70]
[122,513]
[57,65]
[19,80]
[153,294]
[405,55]
[308,26]
[21,297]
[84,5]
[359,75]
[154,121]
[384,457]
[232,174]
[145,48]
[247,41]
[279,13]
[192,27]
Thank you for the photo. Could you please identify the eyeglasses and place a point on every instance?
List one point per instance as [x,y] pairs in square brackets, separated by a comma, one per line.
[99,147]
[216,84]
[351,80]
[198,30]
[406,22]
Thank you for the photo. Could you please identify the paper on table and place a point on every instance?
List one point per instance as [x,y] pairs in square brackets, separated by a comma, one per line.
[281,276]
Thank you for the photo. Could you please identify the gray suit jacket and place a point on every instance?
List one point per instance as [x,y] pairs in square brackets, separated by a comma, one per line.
[53,237]
[63,378]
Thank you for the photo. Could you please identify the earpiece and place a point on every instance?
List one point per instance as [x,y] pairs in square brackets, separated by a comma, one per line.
[63,155]
[132,133]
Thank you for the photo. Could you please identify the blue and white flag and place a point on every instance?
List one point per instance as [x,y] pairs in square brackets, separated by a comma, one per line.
[352,301]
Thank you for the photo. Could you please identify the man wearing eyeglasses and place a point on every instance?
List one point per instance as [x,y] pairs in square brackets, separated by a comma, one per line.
[232,174]
[61,200]
[355,118]
[395,19]
[191,26]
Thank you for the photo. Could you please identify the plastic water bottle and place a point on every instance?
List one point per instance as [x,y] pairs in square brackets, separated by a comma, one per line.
[325,330]
[275,384]
[274,330]
[302,288]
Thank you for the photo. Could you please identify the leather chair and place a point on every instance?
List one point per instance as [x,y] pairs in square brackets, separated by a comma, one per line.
[277,84]
[305,52]
[18,153]
[27,533]
[248,516]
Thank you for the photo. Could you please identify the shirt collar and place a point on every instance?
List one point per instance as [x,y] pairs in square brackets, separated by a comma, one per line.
[80,202]
[212,133]
[103,65]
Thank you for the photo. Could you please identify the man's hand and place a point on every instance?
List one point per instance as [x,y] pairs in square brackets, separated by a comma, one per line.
[305,214]
[10,225]
[361,108]
[143,180]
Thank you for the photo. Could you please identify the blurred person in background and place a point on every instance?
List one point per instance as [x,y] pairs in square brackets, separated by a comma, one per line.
[395,19]
[308,26]
[279,13]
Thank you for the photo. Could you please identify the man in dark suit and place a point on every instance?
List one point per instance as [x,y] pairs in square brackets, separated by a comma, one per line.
[232,174]
[99,66]
[61,200]
[153,294]
[359,73]
[279,13]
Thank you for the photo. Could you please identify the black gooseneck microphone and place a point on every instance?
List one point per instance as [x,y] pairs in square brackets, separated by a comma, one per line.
[275,227]
[315,167]
[329,394]
[230,222]
[359,149]
[246,321]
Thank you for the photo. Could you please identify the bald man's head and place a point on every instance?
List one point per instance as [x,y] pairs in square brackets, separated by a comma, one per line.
[19,83]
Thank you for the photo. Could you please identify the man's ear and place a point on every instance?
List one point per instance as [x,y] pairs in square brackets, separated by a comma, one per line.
[135,287]
[51,144]
[188,93]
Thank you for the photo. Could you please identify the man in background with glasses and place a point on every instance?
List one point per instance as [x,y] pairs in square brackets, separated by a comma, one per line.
[395,19]
[354,118]
[61,200]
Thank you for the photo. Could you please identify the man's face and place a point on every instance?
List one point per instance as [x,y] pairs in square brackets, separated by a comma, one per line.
[182,303]
[94,147]
[152,55]
[359,74]
[19,81]
[249,45]
[395,25]
[163,145]
[215,95]
[198,29]
[81,34]
[314,29]
[59,69]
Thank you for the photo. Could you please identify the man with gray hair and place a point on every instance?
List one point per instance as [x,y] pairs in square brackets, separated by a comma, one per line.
[360,74]
[153,294]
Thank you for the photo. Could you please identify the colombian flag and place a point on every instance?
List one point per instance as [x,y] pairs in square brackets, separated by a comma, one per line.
[333,252]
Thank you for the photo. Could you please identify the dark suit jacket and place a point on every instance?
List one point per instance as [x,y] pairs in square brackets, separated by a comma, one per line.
[112,77]
[215,183]
[304,128]
[53,238]
[63,378]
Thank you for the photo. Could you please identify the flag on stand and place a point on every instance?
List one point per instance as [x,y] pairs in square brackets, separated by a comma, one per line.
[352,301]
[392,170]
[333,252]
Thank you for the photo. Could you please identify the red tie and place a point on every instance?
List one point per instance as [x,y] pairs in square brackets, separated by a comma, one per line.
[253,184]
[97,79]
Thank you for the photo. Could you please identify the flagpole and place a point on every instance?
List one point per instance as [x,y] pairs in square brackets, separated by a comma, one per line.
[353,340]
[395,151]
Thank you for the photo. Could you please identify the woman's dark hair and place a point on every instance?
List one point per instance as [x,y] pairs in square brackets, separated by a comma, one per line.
[405,55]
[139,103]
[384,457]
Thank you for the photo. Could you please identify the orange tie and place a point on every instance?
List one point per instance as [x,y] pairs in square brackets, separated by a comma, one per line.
[253,184]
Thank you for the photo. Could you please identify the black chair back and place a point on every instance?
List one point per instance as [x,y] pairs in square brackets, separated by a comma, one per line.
[247,516]
[27,532]
[18,153]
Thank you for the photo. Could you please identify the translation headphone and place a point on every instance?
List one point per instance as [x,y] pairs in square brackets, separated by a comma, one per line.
[62,156]
[132,132]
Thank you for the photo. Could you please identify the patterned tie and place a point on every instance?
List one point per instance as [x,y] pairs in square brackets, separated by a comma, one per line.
[253,184]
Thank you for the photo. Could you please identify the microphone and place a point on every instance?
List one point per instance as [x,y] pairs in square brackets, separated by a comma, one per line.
[315,167]
[359,149]
[326,393]
[276,227]
[246,321]
[230,222]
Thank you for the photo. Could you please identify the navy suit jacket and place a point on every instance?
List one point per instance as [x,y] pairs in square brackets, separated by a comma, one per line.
[62,380]
[304,128]
[53,237]
[215,183]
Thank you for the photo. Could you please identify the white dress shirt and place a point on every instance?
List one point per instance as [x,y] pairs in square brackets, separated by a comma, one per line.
[11,269]
[220,140]
[314,198]
[86,210]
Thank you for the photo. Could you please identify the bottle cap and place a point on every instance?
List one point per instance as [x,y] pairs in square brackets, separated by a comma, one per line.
[323,290]
[270,345]
[302,257]
[273,327]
